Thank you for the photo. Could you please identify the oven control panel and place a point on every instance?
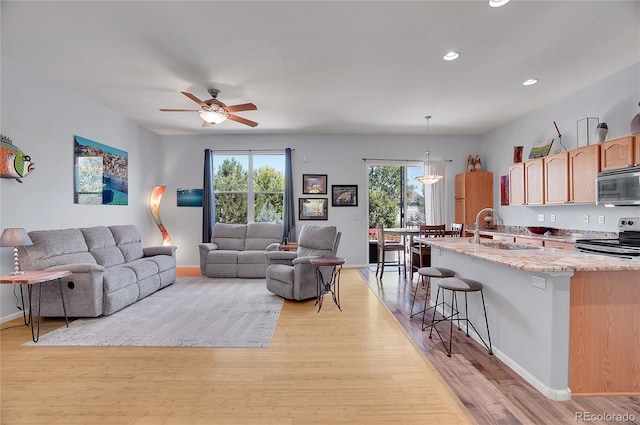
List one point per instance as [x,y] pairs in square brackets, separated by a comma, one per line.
[629,224]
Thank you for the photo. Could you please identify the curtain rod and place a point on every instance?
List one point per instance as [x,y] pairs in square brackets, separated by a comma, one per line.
[403,160]
[249,150]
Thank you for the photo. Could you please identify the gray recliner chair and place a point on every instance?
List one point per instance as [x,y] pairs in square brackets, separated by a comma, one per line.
[290,274]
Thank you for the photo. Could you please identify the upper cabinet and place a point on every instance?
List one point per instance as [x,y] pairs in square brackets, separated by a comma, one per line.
[474,191]
[516,184]
[636,149]
[617,153]
[556,176]
[584,165]
[534,182]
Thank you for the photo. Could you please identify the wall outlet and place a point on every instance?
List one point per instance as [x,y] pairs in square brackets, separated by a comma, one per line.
[553,218]
[540,217]
[601,219]
[539,282]
[585,218]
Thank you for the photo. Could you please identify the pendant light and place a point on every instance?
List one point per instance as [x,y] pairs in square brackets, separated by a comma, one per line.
[428,177]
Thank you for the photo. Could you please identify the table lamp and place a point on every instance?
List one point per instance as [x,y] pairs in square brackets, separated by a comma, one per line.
[15,237]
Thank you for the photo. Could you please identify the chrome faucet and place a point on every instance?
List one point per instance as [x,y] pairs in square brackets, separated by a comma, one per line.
[476,231]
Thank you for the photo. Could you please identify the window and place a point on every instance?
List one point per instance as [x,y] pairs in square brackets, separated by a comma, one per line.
[249,187]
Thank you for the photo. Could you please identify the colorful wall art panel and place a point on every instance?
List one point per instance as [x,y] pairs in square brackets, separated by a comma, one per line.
[101,174]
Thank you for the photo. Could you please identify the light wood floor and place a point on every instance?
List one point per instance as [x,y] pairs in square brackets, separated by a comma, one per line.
[492,392]
[332,367]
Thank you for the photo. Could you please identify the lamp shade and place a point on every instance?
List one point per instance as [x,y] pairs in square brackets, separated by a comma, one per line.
[15,236]
[213,117]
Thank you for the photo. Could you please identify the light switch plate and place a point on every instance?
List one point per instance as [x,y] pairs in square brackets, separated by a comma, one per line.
[585,218]
[601,219]
[540,217]
[553,218]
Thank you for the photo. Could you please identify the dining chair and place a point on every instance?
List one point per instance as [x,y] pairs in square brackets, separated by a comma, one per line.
[421,253]
[385,246]
[456,230]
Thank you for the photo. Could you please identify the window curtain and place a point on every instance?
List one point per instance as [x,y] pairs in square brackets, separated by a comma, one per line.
[208,198]
[289,212]
[436,213]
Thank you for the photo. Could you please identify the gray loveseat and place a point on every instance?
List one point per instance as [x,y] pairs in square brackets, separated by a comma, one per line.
[111,269]
[237,250]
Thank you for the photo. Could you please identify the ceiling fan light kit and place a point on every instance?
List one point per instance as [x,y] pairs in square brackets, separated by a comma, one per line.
[215,112]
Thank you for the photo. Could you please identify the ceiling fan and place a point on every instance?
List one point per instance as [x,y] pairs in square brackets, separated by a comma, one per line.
[214,112]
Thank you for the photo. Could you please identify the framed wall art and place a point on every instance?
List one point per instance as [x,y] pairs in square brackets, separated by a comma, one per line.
[313,209]
[101,174]
[314,184]
[345,195]
[189,198]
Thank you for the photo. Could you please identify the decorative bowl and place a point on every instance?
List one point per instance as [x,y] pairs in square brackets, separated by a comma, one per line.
[538,230]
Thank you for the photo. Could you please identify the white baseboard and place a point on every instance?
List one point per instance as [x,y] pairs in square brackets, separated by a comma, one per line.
[10,317]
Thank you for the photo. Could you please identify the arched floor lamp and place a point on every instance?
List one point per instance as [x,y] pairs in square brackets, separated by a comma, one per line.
[154,207]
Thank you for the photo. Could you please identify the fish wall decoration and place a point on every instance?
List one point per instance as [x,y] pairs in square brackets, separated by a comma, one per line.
[14,164]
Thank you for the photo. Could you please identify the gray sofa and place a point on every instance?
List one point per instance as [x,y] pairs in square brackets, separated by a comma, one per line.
[237,250]
[111,269]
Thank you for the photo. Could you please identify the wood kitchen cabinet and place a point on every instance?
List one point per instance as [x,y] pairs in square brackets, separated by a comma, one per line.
[474,191]
[584,165]
[636,149]
[516,184]
[534,182]
[617,153]
[556,178]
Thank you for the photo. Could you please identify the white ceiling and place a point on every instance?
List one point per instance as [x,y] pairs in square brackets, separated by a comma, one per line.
[340,67]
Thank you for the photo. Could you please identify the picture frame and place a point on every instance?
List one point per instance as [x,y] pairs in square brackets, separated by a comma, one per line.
[540,149]
[345,195]
[313,208]
[314,184]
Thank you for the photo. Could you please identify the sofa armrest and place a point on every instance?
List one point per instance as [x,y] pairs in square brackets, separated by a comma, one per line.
[304,260]
[273,247]
[208,246]
[78,268]
[279,257]
[159,250]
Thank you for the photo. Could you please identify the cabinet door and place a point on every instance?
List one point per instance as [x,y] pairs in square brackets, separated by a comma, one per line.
[568,246]
[516,184]
[616,154]
[460,187]
[534,178]
[529,241]
[460,211]
[636,149]
[584,165]
[556,178]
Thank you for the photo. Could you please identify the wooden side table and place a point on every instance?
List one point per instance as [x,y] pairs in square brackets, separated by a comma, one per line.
[292,246]
[331,285]
[31,278]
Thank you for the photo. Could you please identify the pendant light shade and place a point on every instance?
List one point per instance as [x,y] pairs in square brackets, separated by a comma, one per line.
[429,177]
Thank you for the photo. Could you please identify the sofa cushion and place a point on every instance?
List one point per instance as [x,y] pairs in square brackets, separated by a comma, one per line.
[118,277]
[102,246]
[164,262]
[229,236]
[143,268]
[128,240]
[317,240]
[261,235]
[223,257]
[53,248]
[252,257]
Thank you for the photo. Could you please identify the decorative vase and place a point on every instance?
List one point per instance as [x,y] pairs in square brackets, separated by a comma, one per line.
[601,132]
[517,154]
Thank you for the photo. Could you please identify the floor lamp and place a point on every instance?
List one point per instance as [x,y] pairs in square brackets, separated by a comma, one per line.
[154,207]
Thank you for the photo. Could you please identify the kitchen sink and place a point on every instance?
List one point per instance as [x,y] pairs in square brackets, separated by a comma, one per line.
[508,246]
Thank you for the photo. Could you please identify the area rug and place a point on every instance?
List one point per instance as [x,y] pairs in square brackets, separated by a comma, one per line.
[193,312]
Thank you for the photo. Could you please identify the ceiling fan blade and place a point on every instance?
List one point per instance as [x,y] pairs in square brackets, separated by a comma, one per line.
[195,99]
[242,120]
[206,124]
[180,110]
[242,107]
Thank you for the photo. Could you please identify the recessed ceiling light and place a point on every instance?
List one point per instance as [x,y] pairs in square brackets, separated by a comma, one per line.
[451,56]
[497,3]
[529,82]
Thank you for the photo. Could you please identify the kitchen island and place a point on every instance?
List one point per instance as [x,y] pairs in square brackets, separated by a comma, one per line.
[567,322]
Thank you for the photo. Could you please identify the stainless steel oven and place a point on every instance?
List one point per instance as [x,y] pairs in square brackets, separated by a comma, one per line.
[627,245]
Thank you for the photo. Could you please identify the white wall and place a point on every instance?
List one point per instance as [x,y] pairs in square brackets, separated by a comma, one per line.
[614,100]
[340,157]
[41,118]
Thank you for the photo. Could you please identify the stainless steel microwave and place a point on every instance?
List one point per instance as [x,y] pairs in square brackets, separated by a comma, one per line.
[618,187]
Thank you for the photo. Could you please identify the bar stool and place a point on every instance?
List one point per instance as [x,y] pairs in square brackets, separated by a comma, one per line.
[465,286]
[428,273]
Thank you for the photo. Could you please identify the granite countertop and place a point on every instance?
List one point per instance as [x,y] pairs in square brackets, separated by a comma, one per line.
[557,235]
[538,259]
